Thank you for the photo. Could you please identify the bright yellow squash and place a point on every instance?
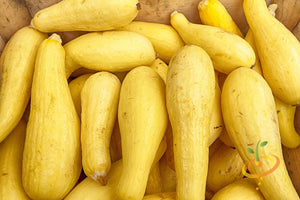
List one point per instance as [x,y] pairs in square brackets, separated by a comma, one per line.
[227,51]
[251,121]
[11,154]
[85,15]
[17,66]
[161,68]
[142,119]
[213,13]
[52,157]
[278,50]
[286,113]
[190,94]
[99,102]
[113,51]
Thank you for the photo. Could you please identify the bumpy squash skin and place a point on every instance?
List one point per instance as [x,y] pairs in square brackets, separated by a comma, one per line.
[227,51]
[190,94]
[278,50]
[87,15]
[17,66]
[52,157]
[250,116]
[11,153]
[142,117]
[99,98]
[113,51]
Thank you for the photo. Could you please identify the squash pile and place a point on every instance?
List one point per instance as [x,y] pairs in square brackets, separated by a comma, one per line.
[127,109]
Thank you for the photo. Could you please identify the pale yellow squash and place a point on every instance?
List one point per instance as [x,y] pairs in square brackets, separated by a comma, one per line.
[113,51]
[142,117]
[278,50]
[75,87]
[52,157]
[227,51]
[251,121]
[85,15]
[11,154]
[99,102]
[190,93]
[161,68]
[286,113]
[17,66]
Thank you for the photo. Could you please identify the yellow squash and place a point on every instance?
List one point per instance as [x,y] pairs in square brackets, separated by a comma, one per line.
[278,50]
[90,189]
[163,37]
[190,93]
[225,167]
[75,87]
[142,117]
[213,13]
[52,157]
[251,121]
[113,51]
[289,137]
[216,125]
[11,154]
[86,15]
[16,67]
[99,102]
[216,121]
[161,68]
[244,189]
[154,183]
[250,39]
[227,51]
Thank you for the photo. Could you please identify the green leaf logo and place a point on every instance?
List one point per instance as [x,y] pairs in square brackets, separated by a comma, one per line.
[264,143]
[250,150]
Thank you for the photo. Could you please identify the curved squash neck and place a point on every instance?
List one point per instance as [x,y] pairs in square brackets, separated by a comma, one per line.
[256,9]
